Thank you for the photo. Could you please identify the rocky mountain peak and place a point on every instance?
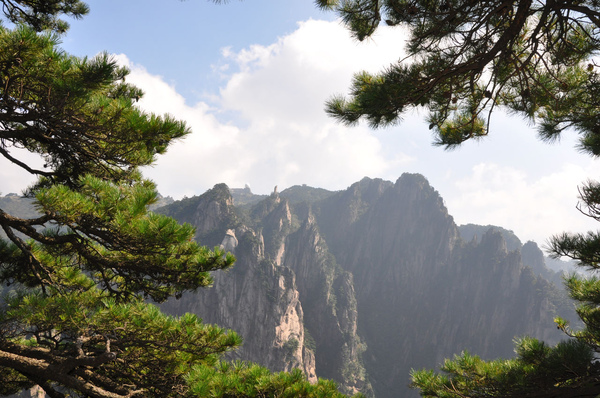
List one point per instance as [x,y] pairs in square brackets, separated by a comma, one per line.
[370,189]
[415,179]
[362,285]
[533,257]
[214,214]
[414,189]
[493,243]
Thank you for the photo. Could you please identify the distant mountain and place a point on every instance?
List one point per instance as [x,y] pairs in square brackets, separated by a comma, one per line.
[549,268]
[244,196]
[305,194]
[18,206]
[364,284]
[531,255]
[475,232]
[296,194]
[162,201]
[561,266]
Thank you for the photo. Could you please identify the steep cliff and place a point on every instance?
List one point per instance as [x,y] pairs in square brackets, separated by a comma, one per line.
[283,267]
[327,295]
[258,298]
[425,294]
[364,284]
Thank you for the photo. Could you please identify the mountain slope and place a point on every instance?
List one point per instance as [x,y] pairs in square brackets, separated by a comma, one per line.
[364,284]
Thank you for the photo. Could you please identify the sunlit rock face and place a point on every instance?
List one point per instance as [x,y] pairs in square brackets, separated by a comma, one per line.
[283,270]
[229,242]
[364,284]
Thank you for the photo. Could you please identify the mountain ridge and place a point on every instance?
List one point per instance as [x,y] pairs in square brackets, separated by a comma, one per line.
[385,283]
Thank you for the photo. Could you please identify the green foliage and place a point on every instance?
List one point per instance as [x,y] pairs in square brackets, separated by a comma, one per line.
[76,331]
[129,242]
[353,369]
[43,14]
[309,341]
[79,267]
[538,370]
[78,114]
[240,380]
[181,209]
[585,250]
[290,347]
[466,59]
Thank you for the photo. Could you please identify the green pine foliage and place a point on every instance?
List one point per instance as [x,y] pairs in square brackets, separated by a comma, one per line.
[77,113]
[241,379]
[89,343]
[43,14]
[585,250]
[77,276]
[538,371]
[465,59]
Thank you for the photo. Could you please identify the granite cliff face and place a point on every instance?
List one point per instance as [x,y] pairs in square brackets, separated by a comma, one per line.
[286,296]
[364,284]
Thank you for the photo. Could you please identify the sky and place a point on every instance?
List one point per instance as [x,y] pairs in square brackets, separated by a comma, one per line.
[251,78]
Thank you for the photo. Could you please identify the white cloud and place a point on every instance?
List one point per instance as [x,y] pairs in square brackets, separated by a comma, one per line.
[281,134]
[534,208]
[292,79]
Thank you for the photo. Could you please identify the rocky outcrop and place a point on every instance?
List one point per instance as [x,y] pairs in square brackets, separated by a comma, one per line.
[328,297]
[258,298]
[361,286]
[286,296]
[229,242]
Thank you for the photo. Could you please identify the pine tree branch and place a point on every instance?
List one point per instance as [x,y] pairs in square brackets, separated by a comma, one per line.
[25,226]
[23,165]
[478,63]
[57,369]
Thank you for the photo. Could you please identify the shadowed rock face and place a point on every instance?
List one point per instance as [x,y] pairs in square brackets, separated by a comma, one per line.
[364,284]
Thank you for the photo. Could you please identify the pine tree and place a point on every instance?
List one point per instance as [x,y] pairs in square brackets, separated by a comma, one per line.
[43,14]
[77,278]
[466,59]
